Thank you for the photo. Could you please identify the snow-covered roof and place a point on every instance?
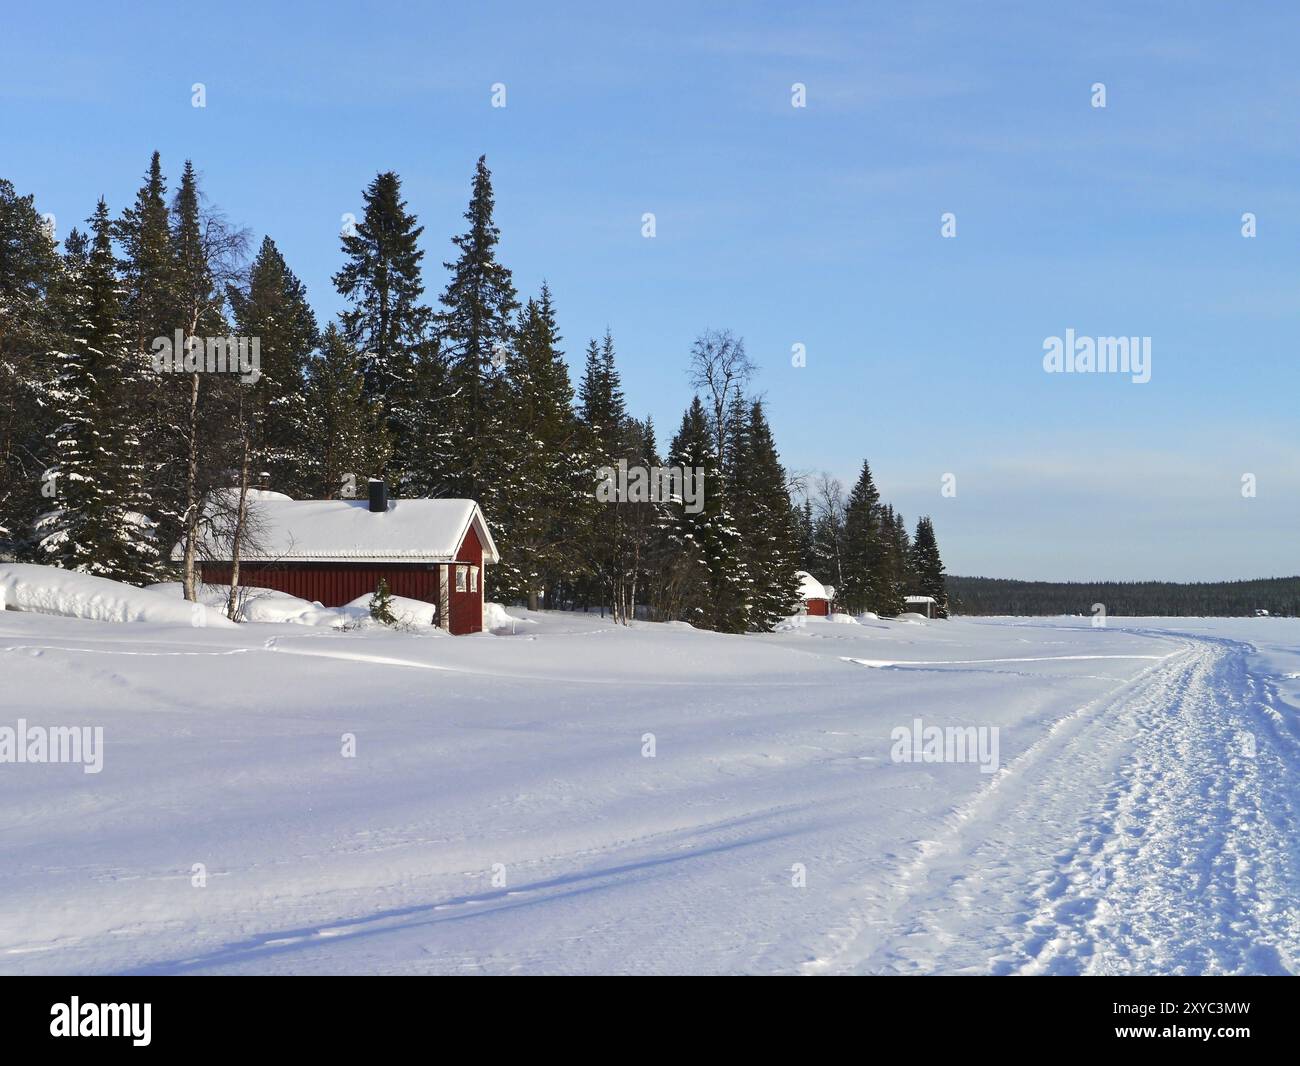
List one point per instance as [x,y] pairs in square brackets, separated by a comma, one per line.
[810,588]
[345,531]
[919,599]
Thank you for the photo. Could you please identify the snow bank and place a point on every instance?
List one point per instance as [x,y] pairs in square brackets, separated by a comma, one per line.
[49,590]
[496,619]
[261,605]
[276,607]
[408,612]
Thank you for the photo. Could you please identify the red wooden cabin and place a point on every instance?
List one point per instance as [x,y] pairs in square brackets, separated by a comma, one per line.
[816,598]
[334,551]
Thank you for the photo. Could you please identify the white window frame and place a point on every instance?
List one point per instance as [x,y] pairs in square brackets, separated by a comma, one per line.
[462,577]
[473,579]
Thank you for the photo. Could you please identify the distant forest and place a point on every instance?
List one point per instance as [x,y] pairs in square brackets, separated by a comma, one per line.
[989,595]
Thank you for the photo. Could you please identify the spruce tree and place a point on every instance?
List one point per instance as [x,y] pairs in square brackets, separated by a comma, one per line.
[864,585]
[387,320]
[183,486]
[707,585]
[273,308]
[614,535]
[766,520]
[601,400]
[390,325]
[98,524]
[889,566]
[152,308]
[929,566]
[32,295]
[807,550]
[540,511]
[381,604]
[902,547]
[198,301]
[348,441]
[150,305]
[421,418]
[475,329]
[645,522]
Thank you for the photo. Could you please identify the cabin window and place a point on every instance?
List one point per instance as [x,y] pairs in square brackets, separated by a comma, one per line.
[460,578]
[473,579]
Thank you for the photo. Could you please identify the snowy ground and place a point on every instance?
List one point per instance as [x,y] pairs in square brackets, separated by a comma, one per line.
[1128,828]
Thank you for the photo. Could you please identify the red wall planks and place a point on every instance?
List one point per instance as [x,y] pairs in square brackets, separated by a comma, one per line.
[467,606]
[334,584]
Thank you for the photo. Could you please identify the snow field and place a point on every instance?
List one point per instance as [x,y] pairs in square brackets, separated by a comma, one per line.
[501,814]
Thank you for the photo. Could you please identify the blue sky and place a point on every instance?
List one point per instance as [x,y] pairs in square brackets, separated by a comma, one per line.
[816,225]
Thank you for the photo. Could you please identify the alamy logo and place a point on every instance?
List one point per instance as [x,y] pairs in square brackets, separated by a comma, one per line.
[659,484]
[60,743]
[958,744]
[1098,355]
[209,355]
[102,1019]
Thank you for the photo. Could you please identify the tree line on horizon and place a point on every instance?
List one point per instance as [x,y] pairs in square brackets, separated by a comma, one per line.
[107,462]
[1279,596]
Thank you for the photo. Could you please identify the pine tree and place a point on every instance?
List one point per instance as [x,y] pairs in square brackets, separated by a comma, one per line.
[98,524]
[863,586]
[929,566]
[348,442]
[273,308]
[198,301]
[152,308]
[765,519]
[602,443]
[150,304]
[422,420]
[601,400]
[902,548]
[707,585]
[32,294]
[616,535]
[807,543]
[890,562]
[538,513]
[199,311]
[476,332]
[644,523]
[381,604]
[387,321]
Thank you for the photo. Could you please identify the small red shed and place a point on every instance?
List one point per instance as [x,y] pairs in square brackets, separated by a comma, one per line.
[334,551]
[816,597]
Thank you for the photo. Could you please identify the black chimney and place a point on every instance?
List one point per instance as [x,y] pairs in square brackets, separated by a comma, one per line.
[378,497]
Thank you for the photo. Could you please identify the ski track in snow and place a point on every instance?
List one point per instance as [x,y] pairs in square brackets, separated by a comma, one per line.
[1160,844]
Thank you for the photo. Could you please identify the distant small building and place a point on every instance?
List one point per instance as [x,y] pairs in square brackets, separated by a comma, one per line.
[817,598]
[335,551]
[925,605]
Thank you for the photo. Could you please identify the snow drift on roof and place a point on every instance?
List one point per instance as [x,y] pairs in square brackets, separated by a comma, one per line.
[287,530]
[810,588]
